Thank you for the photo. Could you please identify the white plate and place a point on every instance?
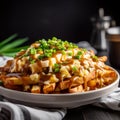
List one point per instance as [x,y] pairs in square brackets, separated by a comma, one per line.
[4,59]
[58,100]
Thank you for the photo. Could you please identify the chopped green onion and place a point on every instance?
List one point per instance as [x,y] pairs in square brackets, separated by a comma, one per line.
[33,51]
[56,67]
[31,60]
[78,57]
[63,52]
[74,68]
[49,47]
[79,53]
[70,53]
[84,49]
[56,70]
[41,57]
[95,57]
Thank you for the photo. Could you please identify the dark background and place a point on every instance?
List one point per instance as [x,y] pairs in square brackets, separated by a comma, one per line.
[65,19]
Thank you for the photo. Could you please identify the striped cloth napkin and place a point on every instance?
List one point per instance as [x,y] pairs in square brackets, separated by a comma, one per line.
[10,111]
[112,101]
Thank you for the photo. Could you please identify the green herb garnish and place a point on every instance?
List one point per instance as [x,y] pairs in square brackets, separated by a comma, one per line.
[70,53]
[33,51]
[78,57]
[56,67]
[79,53]
[11,45]
[51,46]
[95,57]
[31,60]
[74,68]
[41,57]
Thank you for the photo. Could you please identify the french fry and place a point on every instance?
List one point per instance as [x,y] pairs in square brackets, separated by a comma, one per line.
[13,87]
[13,81]
[76,89]
[49,88]
[76,81]
[28,80]
[92,83]
[64,84]
[36,89]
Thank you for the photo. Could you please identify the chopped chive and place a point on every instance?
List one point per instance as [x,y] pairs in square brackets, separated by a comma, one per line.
[56,70]
[63,52]
[95,57]
[33,51]
[70,53]
[79,53]
[84,49]
[31,60]
[51,46]
[78,57]
[74,68]
[56,67]
[41,57]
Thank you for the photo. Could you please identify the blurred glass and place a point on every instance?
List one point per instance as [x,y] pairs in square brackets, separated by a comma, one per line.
[113,38]
[100,25]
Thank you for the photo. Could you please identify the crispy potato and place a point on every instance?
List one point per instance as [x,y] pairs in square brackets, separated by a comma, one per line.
[35,89]
[76,89]
[49,88]
[13,81]
[64,84]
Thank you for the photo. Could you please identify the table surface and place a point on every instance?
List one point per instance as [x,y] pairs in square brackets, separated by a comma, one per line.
[90,112]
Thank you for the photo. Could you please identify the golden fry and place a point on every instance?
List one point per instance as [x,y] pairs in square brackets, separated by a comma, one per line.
[35,89]
[49,88]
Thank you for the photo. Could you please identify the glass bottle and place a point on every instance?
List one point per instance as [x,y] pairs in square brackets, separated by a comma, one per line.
[100,25]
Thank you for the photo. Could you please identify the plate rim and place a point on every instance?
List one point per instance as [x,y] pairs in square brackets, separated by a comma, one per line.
[68,94]
[39,98]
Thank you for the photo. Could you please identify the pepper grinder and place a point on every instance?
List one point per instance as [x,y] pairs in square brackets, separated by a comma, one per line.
[100,25]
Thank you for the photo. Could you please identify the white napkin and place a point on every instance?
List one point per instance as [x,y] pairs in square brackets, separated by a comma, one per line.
[3,60]
[10,111]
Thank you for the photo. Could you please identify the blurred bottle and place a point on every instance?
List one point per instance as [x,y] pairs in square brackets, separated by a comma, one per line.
[100,25]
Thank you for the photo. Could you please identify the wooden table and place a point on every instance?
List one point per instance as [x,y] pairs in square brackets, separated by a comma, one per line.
[90,112]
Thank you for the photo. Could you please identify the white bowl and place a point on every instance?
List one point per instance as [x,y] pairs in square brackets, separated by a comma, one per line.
[70,100]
